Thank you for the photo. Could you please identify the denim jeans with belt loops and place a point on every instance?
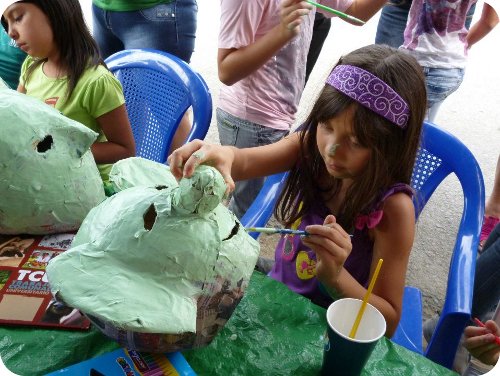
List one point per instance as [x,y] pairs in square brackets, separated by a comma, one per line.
[440,83]
[241,133]
[169,27]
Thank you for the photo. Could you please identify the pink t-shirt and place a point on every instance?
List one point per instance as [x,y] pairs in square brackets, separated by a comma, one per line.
[269,96]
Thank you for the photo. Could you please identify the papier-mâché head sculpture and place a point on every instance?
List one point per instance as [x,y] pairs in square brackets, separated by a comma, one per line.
[160,268]
[48,177]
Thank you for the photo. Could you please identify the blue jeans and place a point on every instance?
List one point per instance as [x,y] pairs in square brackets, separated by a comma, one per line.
[321,29]
[166,27]
[392,22]
[440,83]
[487,279]
[237,132]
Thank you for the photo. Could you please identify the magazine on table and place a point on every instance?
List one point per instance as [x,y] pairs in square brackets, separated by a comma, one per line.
[25,297]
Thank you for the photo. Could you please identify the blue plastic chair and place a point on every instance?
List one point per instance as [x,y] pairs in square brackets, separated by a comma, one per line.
[440,154]
[159,88]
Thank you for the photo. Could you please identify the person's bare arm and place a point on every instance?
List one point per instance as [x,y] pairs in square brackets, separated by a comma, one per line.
[237,63]
[120,140]
[236,164]
[364,9]
[181,133]
[487,22]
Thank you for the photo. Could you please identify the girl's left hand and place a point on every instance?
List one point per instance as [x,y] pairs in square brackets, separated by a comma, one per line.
[332,245]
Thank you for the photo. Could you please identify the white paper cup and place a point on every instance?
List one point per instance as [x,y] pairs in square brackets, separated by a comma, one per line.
[343,355]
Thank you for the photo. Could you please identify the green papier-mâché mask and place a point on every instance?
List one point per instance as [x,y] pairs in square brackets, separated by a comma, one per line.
[158,268]
[48,177]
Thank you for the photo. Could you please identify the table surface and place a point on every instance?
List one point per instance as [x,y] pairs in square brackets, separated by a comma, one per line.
[273,331]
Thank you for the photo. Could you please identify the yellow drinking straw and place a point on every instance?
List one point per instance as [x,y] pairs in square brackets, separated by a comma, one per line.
[354,329]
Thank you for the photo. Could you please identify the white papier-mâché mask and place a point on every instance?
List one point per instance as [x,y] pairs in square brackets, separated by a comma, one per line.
[48,177]
[158,268]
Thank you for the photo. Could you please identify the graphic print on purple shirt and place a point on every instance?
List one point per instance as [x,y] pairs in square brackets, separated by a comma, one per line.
[295,264]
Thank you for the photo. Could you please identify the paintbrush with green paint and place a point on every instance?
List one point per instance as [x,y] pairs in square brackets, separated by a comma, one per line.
[337,12]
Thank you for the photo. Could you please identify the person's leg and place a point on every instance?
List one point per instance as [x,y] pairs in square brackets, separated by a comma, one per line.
[187,13]
[102,32]
[440,83]
[244,134]
[486,294]
[492,208]
[320,32]
[493,203]
[166,27]
[487,279]
[392,23]
[433,111]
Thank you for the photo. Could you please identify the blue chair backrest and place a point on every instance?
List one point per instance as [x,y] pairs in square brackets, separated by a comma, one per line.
[159,88]
[440,155]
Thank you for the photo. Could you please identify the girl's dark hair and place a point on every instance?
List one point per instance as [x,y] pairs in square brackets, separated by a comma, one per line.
[78,50]
[393,149]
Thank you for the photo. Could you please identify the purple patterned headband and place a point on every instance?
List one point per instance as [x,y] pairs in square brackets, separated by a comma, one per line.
[371,92]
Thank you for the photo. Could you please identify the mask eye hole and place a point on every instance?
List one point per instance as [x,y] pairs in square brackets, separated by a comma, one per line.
[150,218]
[45,144]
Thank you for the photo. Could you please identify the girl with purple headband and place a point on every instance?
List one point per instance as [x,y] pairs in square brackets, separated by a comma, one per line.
[350,168]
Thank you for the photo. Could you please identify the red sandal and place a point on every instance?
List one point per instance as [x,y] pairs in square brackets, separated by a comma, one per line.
[489,224]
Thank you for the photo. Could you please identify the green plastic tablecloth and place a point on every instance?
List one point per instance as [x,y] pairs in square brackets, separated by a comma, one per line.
[272,332]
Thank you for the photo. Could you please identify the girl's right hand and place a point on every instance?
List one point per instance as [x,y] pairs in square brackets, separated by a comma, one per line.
[481,342]
[292,12]
[332,245]
[184,160]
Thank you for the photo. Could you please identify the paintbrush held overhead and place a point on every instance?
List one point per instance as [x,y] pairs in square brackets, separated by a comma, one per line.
[337,13]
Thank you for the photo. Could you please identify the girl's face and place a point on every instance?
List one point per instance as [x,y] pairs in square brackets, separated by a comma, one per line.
[344,157]
[30,28]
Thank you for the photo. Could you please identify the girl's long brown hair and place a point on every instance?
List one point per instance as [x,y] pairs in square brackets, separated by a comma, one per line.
[393,150]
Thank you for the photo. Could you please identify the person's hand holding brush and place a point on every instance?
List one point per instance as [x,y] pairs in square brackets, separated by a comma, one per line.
[483,341]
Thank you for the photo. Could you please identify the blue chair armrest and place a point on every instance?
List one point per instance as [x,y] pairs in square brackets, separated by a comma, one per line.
[409,331]
[202,108]
[458,300]
[262,207]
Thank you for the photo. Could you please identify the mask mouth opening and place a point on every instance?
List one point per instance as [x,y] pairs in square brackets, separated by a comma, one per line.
[45,144]
[233,232]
